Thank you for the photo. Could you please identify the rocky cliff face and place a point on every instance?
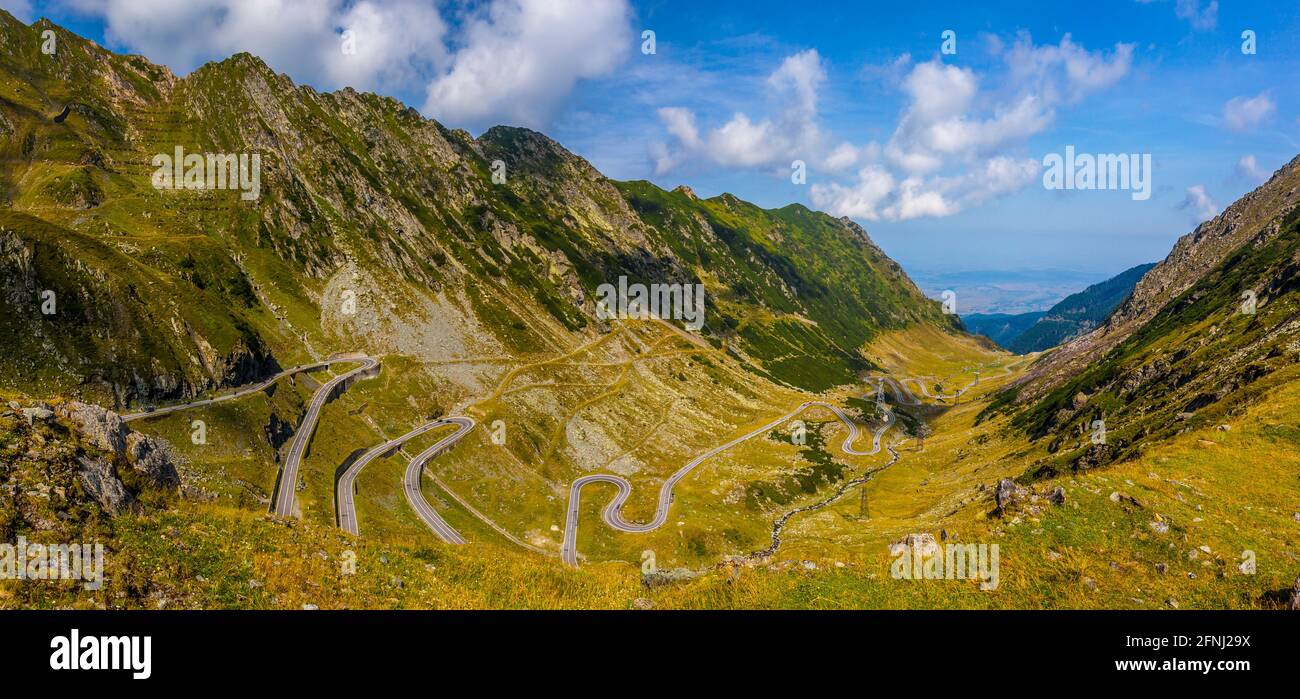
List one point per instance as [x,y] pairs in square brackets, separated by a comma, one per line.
[72,462]
[1211,329]
[1255,217]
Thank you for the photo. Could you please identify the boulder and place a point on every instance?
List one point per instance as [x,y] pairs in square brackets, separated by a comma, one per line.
[98,427]
[1008,495]
[1057,496]
[102,484]
[153,458]
[36,413]
[922,543]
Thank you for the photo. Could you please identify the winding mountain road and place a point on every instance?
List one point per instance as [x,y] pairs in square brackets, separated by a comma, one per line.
[283,505]
[612,514]
[918,380]
[415,469]
[239,393]
[346,490]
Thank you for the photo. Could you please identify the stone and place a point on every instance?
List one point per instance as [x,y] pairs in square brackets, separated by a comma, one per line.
[1124,499]
[37,413]
[1159,527]
[642,603]
[100,428]
[923,543]
[1057,496]
[1008,495]
[153,458]
[103,485]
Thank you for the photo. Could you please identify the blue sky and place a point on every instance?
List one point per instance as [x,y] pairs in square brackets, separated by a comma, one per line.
[937,155]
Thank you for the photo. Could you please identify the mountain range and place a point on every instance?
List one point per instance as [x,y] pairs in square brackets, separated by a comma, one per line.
[824,413]
[1074,315]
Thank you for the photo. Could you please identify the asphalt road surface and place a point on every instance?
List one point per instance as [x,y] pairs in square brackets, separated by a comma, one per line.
[612,514]
[415,469]
[283,505]
[347,509]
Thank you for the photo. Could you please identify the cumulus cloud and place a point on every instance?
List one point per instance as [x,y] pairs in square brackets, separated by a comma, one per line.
[952,147]
[521,58]
[876,194]
[1248,168]
[506,60]
[1065,72]
[1200,204]
[1202,18]
[1245,113]
[790,132]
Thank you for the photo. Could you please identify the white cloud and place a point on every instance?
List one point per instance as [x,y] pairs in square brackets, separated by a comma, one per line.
[1199,202]
[1065,72]
[875,194]
[790,133]
[952,147]
[1200,18]
[942,122]
[1248,168]
[521,58]
[506,60]
[862,199]
[1245,113]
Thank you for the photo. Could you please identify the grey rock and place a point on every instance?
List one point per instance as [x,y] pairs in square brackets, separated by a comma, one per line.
[154,458]
[1057,496]
[1008,495]
[103,485]
[99,427]
[665,577]
[37,413]
[922,542]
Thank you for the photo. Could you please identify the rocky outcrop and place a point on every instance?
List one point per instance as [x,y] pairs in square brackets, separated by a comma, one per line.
[153,458]
[100,428]
[104,430]
[102,484]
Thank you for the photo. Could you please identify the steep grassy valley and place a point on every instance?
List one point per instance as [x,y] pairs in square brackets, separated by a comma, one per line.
[470,268]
